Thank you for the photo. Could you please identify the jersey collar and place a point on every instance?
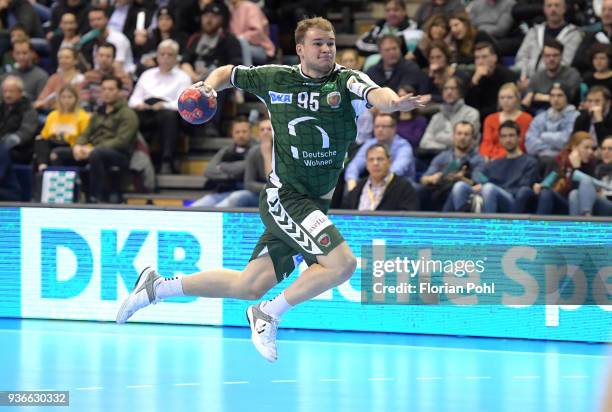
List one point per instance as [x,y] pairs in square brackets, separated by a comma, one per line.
[336,67]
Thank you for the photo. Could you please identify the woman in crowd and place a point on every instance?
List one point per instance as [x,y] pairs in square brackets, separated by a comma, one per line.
[602,72]
[67,73]
[463,37]
[509,109]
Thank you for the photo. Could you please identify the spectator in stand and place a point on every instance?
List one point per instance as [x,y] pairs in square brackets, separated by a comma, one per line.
[78,8]
[66,36]
[258,167]
[428,8]
[62,128]
[440,70]
[435,30]
[108,142]
[67,73]
[553,191]
[537,97]
[487,79]
[393,70]
[20,12]
[596,118]
[101,33]
[250,25]
[528,58]
[463,38]
[91,96]
[601,59]
[602,36]
[225,172]
[146,41]
[410,125]
[550,130]
[439,133]
[18,120]
[505,183]
[381,189]
[458,163]
[34,78]
[155,99]
[385,131]
[396,23]
[510,110]
[10,191]
[16,34]
[492,16]
[125,15]
[592,197]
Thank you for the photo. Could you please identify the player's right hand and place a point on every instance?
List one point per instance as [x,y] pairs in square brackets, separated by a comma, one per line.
[206,89]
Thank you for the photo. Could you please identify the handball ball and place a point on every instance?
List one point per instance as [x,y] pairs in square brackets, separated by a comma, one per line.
[195,107]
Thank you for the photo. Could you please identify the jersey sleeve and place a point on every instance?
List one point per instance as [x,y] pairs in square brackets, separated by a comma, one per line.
[359,85]
[252,79]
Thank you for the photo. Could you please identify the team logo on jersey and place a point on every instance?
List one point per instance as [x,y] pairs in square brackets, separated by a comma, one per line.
[280,98]
[324,240]
[334,99]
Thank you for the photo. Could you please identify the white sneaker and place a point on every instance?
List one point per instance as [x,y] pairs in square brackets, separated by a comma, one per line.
[142,295]
[263,331]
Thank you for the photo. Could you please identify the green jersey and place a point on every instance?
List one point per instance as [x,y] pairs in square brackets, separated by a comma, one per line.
[313,121]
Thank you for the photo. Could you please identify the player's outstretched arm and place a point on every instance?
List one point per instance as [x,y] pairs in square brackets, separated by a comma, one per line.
[386,100]
[218,79]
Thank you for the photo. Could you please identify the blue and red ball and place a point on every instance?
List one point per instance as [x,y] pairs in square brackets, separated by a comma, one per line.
[196,107]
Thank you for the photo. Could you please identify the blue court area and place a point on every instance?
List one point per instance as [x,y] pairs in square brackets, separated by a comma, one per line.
[144,367]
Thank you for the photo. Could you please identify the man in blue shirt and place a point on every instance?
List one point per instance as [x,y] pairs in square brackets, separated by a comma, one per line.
[385,131]
[450,166]
[505,184]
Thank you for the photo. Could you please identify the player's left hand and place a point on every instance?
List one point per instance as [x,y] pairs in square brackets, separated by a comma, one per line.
[410,102]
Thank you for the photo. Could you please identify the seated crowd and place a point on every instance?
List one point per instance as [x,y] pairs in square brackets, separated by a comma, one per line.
[520,119]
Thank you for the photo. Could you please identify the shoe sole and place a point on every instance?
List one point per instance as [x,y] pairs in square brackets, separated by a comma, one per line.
[249,316]
[125,302]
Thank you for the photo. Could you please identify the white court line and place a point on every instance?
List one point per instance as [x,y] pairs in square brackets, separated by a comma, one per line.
[91,388]
[353,344]
[40,390]
[284,381]
[526,377]
[575,376]
[332,380]
[188,384]
[429,378]
[477,377]
[235,382]
[138,386]
[380,379]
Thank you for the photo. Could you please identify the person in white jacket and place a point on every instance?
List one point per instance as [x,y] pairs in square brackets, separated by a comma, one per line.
[529,57]
[439,132]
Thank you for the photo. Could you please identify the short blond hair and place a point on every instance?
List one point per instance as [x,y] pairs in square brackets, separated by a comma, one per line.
[314,22]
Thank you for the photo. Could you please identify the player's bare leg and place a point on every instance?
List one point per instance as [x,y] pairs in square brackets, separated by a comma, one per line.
[332,270]
[253,282]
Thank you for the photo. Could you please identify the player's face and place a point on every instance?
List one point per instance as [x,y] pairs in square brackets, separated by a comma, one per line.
[377,163]
[241,133]
[509,139]
[462,137]
[384,129]
[318,51]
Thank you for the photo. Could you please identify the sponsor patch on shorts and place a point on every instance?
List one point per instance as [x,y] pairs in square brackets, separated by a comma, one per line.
[315,222]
